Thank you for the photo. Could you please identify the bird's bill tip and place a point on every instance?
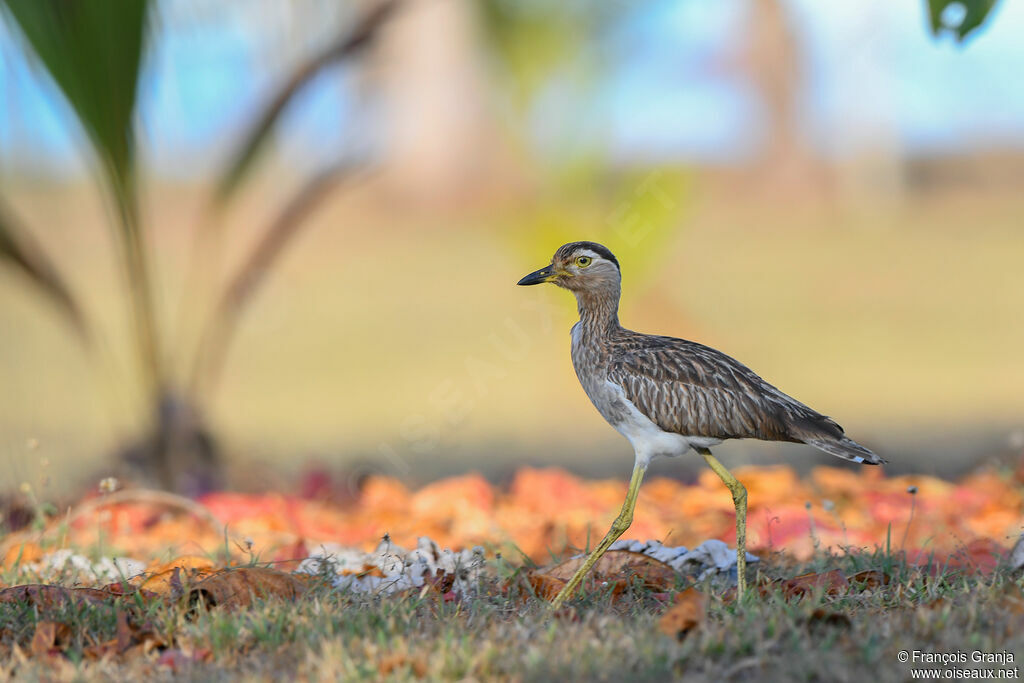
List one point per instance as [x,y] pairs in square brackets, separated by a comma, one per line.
[545,274]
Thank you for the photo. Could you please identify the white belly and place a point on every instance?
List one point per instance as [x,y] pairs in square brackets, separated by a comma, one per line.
[648,439]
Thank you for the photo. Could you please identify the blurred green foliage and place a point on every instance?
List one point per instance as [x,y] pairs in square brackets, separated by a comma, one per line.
[93,52]
[961,17]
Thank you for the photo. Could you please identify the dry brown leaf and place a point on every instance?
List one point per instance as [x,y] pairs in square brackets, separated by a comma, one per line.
[124,588]
[183,562]
[545,586]
[234,588]
[21,554]
[176,576]
[830,583]
[49,639]
[124,632]
[619,565]
[176,581]
[870,579]
[44,595]
[687,613]
[398,660]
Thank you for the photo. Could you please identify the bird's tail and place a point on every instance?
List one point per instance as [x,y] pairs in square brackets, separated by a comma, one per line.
[845,448]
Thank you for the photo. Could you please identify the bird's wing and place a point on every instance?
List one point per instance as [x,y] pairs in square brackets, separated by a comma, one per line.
[694,390]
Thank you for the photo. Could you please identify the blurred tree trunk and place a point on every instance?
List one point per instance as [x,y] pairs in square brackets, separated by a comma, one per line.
[787,164]
[428,77]
[774,65]
[178,452]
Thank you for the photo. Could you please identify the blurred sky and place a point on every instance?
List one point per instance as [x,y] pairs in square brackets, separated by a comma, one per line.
[875,74]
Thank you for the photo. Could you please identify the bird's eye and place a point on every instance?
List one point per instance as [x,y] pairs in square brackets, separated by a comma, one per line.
[583,261]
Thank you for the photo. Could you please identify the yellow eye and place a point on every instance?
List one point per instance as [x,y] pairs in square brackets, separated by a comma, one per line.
[583,261]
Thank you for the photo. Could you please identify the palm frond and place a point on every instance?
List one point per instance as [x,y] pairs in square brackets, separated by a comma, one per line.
[282,230]
[972,14]
[20,249]
[92,51]
[349,44]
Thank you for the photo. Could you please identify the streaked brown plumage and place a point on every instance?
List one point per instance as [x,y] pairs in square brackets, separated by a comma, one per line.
[692,389]
[669,395]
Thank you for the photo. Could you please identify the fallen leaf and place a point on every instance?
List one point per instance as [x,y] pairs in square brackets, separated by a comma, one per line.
[763,586]
[21,554]
[235,588]
[687,613]
[123,588]
[130,640]
[49,639]
[870,579]
[183,562]
[618,565]
[45,596]
[544,585]
[124,632]
[174,577]
[830,583]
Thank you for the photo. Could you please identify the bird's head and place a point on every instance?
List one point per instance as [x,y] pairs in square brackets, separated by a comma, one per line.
[581,267]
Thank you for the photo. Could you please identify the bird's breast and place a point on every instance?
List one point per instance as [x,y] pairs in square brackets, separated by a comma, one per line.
[648,439]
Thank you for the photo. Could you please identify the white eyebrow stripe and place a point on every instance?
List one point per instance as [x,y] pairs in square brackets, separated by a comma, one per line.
[591,254]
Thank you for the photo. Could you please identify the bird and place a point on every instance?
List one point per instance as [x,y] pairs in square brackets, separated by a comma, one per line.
[668,395]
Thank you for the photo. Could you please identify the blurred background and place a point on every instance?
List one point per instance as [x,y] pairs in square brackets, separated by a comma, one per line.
[253,243]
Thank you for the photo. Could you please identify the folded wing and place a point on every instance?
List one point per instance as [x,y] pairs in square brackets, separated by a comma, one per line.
[694,390]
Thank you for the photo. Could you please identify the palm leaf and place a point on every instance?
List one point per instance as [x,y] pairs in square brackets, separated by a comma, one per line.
[349,44]
[974,14]
[18,248]
[92,51]
[279,233]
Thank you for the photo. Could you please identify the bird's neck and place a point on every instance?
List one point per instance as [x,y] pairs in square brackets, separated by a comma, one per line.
[599,311]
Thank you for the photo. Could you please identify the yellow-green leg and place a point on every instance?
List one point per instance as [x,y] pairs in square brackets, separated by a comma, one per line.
[739,499]
[619,527]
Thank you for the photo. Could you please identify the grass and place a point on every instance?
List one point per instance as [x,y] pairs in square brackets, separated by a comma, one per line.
[507,634]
